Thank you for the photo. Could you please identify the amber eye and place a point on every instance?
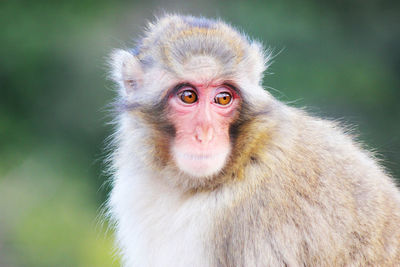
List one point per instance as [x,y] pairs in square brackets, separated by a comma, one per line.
[223,98]
[188,96]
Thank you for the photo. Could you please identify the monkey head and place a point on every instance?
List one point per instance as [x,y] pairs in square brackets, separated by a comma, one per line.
[189,80]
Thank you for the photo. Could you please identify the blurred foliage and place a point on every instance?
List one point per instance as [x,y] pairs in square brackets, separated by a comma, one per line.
[340,59]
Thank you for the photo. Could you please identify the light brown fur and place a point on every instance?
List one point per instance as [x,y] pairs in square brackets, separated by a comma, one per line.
[295,191]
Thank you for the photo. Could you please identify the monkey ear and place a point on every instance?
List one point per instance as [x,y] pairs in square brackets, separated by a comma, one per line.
[126,70]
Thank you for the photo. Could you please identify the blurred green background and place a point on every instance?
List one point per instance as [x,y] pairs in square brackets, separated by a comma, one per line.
[340,59]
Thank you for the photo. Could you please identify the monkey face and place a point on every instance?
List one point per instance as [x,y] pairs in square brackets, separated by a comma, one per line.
[202,115]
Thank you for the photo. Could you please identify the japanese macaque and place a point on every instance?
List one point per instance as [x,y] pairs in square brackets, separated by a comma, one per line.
[211,170]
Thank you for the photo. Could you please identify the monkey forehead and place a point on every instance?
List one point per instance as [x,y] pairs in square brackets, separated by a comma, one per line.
[203,69]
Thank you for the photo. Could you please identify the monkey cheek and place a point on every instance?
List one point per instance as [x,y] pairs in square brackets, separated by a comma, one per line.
[200,165]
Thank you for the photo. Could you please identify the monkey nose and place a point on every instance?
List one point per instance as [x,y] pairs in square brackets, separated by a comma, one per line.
[204,134]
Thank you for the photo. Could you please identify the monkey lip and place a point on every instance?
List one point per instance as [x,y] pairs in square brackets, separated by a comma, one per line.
[198,156]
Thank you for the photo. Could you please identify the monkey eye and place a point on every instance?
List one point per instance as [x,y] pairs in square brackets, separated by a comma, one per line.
[188,96]
[223,98]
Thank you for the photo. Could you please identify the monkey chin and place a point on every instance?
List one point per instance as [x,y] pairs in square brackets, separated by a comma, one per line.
[200,165]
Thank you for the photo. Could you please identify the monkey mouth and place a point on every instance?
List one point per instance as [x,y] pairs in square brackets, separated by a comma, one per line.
[197,156]
[189,156]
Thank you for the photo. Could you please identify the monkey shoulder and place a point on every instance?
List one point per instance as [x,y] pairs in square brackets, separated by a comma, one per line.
[321,161]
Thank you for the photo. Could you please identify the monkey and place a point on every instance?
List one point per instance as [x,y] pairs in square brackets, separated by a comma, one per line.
[209,169]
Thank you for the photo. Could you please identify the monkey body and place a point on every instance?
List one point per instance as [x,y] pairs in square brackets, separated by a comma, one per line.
[265,184]
[298,212]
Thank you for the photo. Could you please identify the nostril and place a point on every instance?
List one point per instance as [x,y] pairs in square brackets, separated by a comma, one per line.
[199,138]
[210,134]
[204,134]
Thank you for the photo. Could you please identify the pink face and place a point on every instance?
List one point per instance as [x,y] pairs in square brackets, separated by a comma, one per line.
[202,116]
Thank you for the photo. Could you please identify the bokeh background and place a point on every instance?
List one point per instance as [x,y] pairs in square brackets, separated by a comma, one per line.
[340,59]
